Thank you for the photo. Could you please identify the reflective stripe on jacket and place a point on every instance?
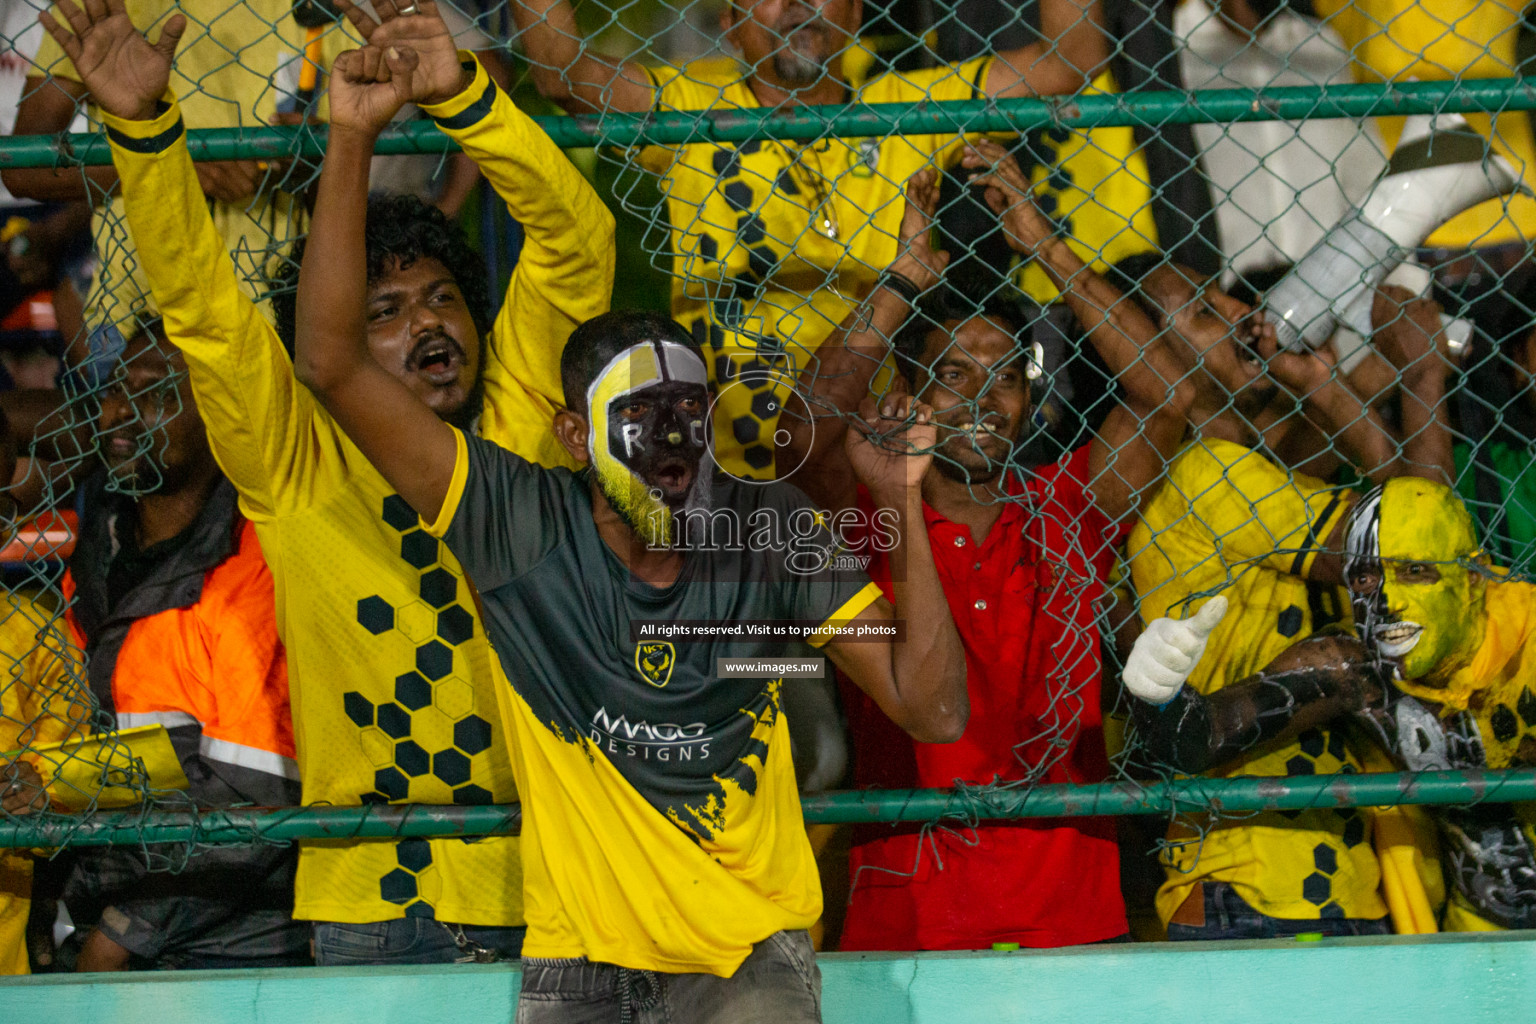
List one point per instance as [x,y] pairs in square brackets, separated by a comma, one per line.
[194,647]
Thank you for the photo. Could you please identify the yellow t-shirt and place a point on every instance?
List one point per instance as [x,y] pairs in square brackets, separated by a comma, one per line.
[1095,183]
[394,692]
[1490,714]
[661,821]
[42,700]
[1227,518]
[1442,40]
[239,64]
[774,242]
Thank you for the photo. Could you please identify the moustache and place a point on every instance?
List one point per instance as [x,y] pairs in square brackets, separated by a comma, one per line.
[435,342]
[794,20]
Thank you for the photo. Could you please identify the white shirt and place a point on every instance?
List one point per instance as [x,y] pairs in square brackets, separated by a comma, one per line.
[1276,185]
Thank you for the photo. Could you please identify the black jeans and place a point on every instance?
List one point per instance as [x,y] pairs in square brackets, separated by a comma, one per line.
[1228,916]
[779,983]
[412,940]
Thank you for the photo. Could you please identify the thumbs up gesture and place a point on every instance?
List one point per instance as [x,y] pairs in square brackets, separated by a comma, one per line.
[1167,652]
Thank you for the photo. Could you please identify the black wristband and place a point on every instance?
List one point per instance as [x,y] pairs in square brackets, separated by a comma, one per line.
[902,285]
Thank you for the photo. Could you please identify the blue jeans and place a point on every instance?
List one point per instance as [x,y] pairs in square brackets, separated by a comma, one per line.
[1228,916]
[413,940]
[778,983]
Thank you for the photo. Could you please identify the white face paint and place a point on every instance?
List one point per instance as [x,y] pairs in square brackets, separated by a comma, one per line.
[632,432]
[1396,639]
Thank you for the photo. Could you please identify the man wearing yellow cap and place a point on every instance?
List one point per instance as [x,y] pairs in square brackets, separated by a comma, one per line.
[1443,672]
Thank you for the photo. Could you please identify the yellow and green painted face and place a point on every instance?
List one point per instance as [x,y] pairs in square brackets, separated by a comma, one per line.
[649,436]
[1417,599]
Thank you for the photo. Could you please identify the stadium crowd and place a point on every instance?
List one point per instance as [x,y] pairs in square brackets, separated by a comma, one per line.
[1003,426]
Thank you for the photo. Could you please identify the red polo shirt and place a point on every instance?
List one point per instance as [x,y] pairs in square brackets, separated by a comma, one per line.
[1025,603]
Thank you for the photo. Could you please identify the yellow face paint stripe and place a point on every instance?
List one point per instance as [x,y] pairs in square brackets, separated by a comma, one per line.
[630,370]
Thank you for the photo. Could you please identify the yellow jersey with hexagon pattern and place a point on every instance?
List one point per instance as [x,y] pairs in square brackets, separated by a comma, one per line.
[394,692]
[775,241]
[1228,519]
[661,821]
[1490,848]
[1504,675]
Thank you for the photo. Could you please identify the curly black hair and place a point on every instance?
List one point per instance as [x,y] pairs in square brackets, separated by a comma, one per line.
[401,230]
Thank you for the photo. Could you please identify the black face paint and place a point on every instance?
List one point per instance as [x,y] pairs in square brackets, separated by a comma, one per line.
[1363,573]
[661,434]
[1324,676]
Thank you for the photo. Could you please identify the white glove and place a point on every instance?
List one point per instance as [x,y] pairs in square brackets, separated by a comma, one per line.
[1167,652]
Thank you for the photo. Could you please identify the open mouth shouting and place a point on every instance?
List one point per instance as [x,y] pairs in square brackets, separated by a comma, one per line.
[438,358]
[673,477]
[1396,639]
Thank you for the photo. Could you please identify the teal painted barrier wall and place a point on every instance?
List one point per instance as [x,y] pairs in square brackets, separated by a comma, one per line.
[1448,979]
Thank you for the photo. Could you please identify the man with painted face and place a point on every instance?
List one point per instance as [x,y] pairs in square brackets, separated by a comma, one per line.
[664,854]
[1236,511]
[649,430]
[776,242]
[1440,673]
[1022,555]
[396,692]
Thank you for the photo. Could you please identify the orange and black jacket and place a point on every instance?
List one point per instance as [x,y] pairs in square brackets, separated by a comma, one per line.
[189,640]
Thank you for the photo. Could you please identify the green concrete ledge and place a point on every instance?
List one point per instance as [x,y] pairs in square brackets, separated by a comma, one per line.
[1464,979]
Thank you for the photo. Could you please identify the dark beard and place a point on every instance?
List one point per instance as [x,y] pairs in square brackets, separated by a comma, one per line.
[960,473]
[466,415]
[795,68]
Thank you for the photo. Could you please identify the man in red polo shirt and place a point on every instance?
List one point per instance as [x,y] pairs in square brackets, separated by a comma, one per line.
[1022,555]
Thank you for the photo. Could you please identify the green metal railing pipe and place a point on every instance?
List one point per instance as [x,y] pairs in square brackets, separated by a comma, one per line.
[877,119]
[1230,796]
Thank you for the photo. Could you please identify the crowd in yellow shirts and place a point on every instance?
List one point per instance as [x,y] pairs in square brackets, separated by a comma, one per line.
[1154,540]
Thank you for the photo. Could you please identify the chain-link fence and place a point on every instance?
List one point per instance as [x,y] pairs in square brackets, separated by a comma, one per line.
[1186,283]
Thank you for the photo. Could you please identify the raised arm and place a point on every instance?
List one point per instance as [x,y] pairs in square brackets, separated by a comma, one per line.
[1410,333]
[49,105]
[1147,427]
[397,432]
[1073,48]
[1339,415]
[565,71]
[1309,684]
[564,272]
[837,377]
[105,50]
[259,423]
[920,682]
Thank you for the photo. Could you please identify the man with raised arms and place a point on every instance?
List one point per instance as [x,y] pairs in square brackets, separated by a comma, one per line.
[665,857]
[394,691]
